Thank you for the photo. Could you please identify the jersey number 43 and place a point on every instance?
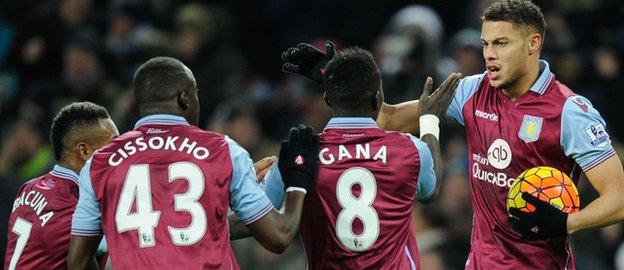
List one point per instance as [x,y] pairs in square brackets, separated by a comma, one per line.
[137,190]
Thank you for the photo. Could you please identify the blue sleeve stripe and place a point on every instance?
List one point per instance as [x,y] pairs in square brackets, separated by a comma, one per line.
[263,212]
[601,158]
[79,232]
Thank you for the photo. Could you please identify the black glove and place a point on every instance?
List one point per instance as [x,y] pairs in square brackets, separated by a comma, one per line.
[308,61]
[544,223]
[297,158]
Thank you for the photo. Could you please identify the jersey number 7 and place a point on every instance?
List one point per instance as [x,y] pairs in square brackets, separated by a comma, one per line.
[137,190]
[360,207]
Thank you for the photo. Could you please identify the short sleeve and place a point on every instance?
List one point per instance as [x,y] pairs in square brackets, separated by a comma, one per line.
[274,186]
[87,218]
[465,89]
[583,133]
[426,175]
[247,200]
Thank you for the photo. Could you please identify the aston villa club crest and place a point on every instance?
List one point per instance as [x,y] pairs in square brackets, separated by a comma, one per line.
[531,128]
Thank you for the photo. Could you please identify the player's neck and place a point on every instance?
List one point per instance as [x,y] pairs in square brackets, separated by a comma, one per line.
[341,113]
[161,108]
[73,165]
[524,83]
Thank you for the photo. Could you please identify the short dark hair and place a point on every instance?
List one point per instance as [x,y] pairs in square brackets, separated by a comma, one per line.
[70,121]
[351,79]
[160,79]
[519,12]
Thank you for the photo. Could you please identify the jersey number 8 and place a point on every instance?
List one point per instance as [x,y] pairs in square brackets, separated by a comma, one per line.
[361,208]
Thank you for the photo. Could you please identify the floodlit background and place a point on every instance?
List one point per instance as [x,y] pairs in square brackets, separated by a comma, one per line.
[56,52]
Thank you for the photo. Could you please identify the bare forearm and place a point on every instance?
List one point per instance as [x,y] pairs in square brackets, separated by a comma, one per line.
[290,220]
[434,147]
[275,231]
[608,179]
[605,210]
[237,228]
[81,252]
[402,117]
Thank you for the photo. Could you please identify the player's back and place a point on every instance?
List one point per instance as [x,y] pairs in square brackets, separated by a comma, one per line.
[40,222]
[359,214]
[164,194]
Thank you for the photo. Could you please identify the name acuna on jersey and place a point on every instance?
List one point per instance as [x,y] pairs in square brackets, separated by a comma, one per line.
[158,143]
[35,200]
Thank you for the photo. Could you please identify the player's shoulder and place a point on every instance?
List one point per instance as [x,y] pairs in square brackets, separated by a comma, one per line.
[201,134]
[32,183]
[559,92]
[402,139]
[471,83]
[570,101]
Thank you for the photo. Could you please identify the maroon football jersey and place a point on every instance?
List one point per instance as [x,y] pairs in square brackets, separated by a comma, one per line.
[40,223]
[163,191]
[506,137]
[358,216]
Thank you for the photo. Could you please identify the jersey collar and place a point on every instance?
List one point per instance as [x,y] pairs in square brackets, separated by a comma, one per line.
[544,78]
[351,123]
[161,119]
[65,173]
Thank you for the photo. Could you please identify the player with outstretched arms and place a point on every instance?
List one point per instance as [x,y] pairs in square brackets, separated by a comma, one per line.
[517,115]
[40,222]
[359,213]
[160,193]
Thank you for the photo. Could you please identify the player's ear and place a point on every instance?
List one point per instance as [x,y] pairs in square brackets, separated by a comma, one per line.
[183,100]
[83,151]
[326,99]
[377,100]
[535,43]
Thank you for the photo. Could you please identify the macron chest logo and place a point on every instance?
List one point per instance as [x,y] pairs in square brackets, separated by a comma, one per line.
[487,116]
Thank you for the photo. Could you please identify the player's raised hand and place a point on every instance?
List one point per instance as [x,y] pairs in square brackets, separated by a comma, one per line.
[297,160]
[438,102]
[262,167]
[544,223]
[308,61]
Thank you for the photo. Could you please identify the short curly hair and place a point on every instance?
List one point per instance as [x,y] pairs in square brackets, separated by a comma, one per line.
[351,79]
[70,121]
[519,12]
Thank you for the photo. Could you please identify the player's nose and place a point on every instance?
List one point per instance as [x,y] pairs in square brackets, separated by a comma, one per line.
[489,53]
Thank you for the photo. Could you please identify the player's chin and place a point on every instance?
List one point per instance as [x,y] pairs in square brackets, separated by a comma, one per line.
[498,82]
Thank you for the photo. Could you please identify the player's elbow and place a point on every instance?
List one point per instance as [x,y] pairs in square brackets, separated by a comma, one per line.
[278,245]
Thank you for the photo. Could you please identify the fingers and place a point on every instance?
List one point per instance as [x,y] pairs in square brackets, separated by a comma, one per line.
[308,49]
[264,164]
[330,49]
[293,137]
[304,133]
[450,89]
[517,213]
[290,54]
[309,137]
[427,88]
[532,199]
[292,68]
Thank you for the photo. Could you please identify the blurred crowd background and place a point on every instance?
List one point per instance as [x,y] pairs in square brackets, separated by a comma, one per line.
[53,52]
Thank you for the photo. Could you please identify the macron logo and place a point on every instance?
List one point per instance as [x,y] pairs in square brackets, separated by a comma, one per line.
[156,131]
[487,116]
